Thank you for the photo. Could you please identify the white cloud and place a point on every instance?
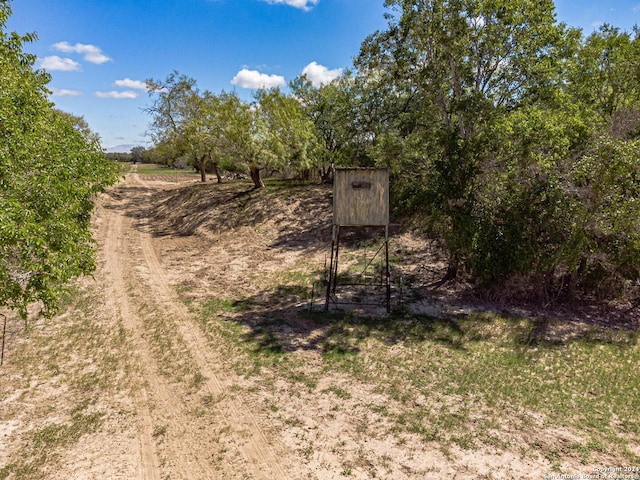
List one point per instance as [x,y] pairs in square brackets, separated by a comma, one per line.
[319,74]
[55,62]
[128,83]
[113,94]
[305,5]
[62,92]
[90,53]
[253,79]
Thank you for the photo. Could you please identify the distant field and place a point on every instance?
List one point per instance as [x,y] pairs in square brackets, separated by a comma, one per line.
[152,169]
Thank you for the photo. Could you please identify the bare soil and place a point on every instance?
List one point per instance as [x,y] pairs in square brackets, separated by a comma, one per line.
[149,390]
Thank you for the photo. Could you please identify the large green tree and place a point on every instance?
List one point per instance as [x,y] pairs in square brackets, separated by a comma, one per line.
[605,80]
[179,113]
[292,138]
[513,136]
[51,167]
[273,131]
[335,110]
[440,79]
[242,136]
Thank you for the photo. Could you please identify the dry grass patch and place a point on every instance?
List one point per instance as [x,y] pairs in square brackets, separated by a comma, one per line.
[64,379]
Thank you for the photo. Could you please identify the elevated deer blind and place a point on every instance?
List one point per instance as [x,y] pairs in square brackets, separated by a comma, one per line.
[360,199]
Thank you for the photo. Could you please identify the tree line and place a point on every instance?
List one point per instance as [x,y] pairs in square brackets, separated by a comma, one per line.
[508,135]
[220,131]
[51,168]
[135,155]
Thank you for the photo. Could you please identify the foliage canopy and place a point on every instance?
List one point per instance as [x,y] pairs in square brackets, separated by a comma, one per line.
[221,129]
[513,136]
[51,167]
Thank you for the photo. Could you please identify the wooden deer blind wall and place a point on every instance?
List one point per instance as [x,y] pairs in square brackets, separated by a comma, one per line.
[361,197]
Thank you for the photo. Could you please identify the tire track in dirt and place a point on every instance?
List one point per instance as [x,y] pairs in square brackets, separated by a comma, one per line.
[258,451]
[187,446]
[113,246]
[179,454]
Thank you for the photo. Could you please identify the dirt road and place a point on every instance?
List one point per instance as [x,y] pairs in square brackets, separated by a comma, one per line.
[137,286]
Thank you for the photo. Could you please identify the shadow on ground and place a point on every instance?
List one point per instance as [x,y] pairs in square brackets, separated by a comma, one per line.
[280,319]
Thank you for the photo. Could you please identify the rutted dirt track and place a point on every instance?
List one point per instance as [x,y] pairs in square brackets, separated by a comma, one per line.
[131,263]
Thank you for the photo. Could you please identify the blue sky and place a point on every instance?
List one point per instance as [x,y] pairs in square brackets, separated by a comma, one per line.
[100,52]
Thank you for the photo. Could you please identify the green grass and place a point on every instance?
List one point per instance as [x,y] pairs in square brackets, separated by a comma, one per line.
[47,441]
[459,381]
[489,368]
[294,277]
[215,305]
[257,351]
[150,169]
[79,354]
[167,346]
[338,392]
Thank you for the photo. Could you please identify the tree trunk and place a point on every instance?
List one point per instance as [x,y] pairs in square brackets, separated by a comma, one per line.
[255,176]
[327,175]
[216,171]
[201,167]
[452,273]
